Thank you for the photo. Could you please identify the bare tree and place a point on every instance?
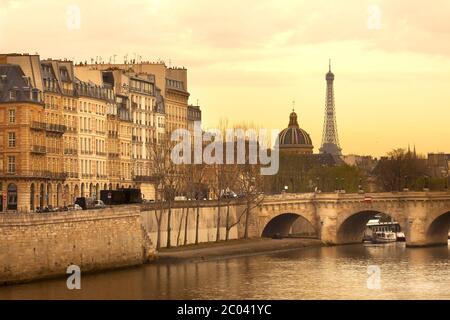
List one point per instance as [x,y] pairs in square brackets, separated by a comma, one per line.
[251,184]
[179,226]
[168,178]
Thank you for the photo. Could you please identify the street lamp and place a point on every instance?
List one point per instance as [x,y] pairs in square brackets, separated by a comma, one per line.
[426,184]
[360,189]
[406,184]
[286,188]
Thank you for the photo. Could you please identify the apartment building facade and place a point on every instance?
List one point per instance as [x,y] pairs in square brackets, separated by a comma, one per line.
[71,131]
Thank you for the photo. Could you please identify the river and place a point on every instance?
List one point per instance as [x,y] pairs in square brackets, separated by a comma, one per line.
[312,273]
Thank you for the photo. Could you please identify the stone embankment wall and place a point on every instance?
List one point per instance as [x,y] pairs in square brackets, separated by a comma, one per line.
[207,223]
[34,246]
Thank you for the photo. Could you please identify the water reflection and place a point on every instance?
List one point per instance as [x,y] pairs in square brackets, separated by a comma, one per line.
[313,273]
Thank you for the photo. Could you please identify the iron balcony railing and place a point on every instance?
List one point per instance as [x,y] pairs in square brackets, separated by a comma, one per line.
[38,149]
[59,128]
[34,174]
[144,178]
[36,125]
[70,151]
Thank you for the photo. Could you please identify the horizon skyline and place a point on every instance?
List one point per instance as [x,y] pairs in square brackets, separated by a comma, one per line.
[389,78]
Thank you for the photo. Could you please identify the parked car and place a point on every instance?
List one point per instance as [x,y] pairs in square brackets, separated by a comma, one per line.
[74,207]
[42,209]
[99,204]
[229,195]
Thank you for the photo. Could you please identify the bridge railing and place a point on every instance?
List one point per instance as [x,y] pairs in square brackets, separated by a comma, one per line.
[358,196]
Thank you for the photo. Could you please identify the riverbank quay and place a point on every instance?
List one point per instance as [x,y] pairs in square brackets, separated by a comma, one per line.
[38,246]
[226,249]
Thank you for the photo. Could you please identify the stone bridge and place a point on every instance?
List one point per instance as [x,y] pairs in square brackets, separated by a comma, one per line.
[340,218]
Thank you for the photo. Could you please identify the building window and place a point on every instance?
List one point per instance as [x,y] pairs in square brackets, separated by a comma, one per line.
[12,116]
[12,197]
[11,164]
[11,139]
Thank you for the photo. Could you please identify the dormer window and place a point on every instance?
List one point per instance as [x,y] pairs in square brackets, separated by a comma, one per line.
[12,95]
[35,95]
[26,80]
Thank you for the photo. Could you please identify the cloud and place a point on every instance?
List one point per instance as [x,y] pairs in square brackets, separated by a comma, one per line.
[204,31]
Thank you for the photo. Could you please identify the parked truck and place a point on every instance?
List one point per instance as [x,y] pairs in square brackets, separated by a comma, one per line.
[85,203]
[121,196]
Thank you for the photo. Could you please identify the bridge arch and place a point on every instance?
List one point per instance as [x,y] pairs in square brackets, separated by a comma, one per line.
[438,229]
[350,227]
[281,224]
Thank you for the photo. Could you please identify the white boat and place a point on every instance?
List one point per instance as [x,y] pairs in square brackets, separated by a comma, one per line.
[400,236]
[384,237]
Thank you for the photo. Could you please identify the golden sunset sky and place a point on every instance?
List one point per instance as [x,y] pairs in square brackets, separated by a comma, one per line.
[248,60]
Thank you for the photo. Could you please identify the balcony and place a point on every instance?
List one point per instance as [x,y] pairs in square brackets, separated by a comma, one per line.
[56,175]
[36,125]
[69,92]
[70,151]
[113,155]
[144,178]
[38,149]
[34,174]
[102,154]
[73,175]
[58,128]
[113,134]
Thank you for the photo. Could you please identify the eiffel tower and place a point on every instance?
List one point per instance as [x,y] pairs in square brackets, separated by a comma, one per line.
[330,138]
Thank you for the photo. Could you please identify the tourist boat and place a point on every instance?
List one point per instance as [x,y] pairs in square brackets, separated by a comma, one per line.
[375,226]
[384,237]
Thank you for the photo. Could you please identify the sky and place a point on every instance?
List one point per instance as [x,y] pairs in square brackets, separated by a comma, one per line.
[249,60]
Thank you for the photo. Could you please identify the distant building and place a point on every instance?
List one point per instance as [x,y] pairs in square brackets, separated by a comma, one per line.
[194,115]
[366,163]
[294,139]
[438,165]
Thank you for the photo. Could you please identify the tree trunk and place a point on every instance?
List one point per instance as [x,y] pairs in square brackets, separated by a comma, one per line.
[247,215]
[186,226]
[159,221]
[169,215]
[218,221]
[158,234]
[179,227]
[197,221]
[227,235]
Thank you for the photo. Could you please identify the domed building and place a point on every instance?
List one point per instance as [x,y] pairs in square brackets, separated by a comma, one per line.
[294,139]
